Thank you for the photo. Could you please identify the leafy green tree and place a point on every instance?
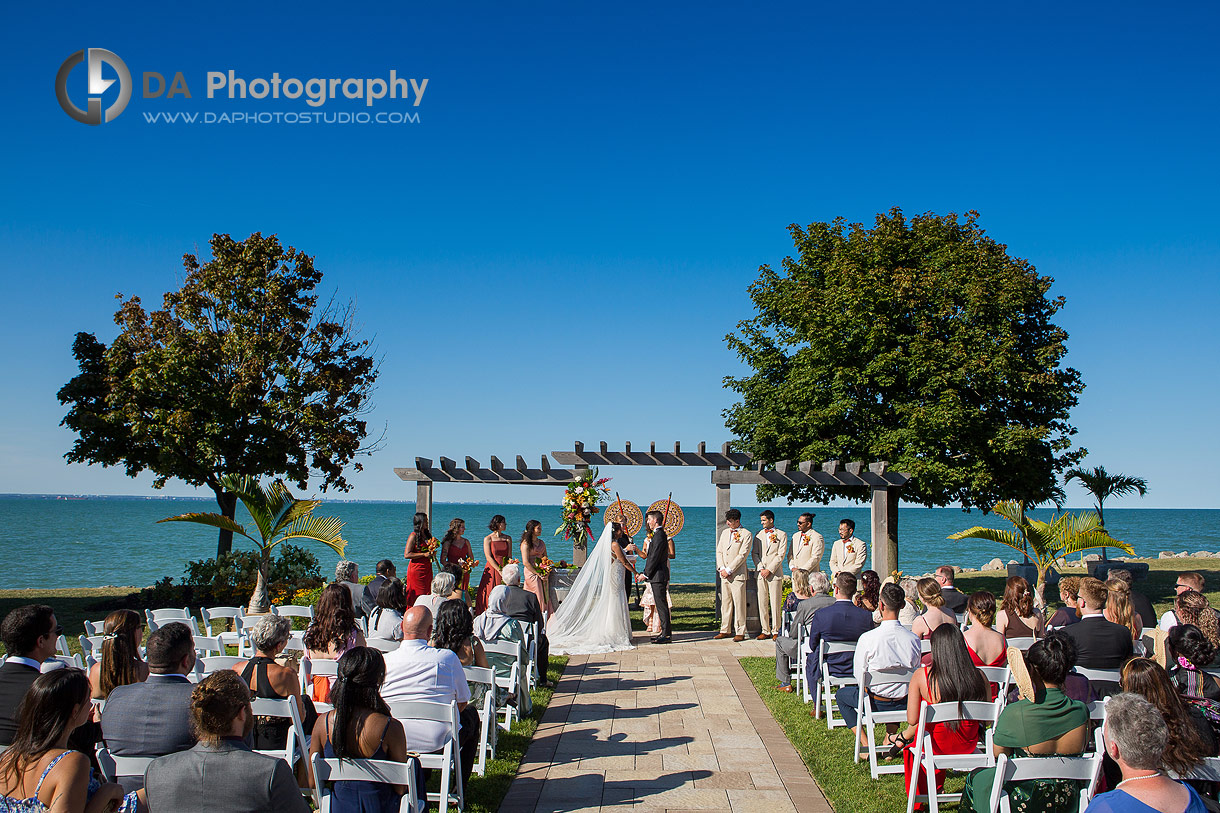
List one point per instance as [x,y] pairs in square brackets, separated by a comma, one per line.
[278,517]
[1103,485]
[922,343]
[240,372]
[1064,535]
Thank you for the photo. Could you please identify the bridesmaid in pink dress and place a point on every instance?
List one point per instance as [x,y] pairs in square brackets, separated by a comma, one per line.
[455,548]
[497,547]
[532,547]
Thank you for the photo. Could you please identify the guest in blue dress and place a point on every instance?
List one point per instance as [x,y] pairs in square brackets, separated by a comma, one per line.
[39,768]
[360,727]
[1135,737]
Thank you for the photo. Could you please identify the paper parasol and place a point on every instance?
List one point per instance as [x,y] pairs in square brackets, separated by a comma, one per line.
[627,513]
[674,518]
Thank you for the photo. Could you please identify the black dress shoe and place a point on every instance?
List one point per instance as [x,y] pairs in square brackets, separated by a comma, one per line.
[662,639]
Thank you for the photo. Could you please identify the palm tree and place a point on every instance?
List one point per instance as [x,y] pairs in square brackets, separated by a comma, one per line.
[1103,485]
[278,516]
[1064,535]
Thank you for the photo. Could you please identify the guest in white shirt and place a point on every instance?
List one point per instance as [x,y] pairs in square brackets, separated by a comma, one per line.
[890,650]
[442,585]
[416,671]
[1186,581]
[385,621]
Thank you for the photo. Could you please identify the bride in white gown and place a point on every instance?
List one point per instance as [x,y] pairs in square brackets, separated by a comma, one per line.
[593,618]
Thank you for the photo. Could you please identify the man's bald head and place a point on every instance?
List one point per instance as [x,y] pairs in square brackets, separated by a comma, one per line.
[417,624]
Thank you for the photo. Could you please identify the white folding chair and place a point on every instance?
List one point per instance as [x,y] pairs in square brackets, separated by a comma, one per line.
[205,646]
[115,766]
[514,684]
[61,646]
[294,611]
[216,663]
[326,771]
[1009,769]
[1097,716]
[796,666]
[447,759]
[95,627]
[159,618]
[1001,676]
[317,667]
[925,646]
[60,661]
[296,743]
[530,634]
[929,762]
[487,714]
[1105,675]
[831,683]
[91,648]
[869,718]
[382,644]
[1022,644]
[216,621]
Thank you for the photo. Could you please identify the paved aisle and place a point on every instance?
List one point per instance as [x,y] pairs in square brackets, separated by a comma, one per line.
[662,727]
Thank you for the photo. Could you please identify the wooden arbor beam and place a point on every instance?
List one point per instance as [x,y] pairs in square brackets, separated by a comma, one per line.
[579,456]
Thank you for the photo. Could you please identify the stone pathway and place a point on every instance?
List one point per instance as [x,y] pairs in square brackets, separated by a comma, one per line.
[662,728]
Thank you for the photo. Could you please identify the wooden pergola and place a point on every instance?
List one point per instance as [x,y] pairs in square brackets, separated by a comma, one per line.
[728,469]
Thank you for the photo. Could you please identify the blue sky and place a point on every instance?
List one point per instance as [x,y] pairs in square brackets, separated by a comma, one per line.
[612,176]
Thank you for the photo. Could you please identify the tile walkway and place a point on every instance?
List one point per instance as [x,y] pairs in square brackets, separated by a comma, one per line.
[662,728]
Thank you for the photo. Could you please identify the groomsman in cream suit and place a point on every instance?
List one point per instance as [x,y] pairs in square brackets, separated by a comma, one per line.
[849,553]
[732,554]
[772,550]
[807,545]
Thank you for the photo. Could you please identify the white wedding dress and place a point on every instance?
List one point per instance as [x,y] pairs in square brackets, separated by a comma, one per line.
[593,618]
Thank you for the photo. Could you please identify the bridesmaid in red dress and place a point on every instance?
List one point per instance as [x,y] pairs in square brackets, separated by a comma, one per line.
[952,677]
[533,547]
[497,546]
[419,561]
[986,646]
[455,548]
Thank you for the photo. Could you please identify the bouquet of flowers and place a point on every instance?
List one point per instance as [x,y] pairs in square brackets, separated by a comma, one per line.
[430,547]
[544,566]
[580,504]
[467,563]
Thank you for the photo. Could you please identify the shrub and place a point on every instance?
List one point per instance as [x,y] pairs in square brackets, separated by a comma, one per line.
[228,580]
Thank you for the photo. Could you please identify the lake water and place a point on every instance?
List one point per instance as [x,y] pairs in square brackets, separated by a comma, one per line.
[93,542]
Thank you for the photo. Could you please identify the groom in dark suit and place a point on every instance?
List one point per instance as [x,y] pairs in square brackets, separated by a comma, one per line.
[656,571]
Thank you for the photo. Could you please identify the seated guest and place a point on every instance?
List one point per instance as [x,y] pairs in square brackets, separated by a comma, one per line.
[416,671]
[460,578]
[38,771]
[454,630]
[1189,654]
[891,650]
[385,571]
[1120,610]
[1135,737]
[1192,607]
[495,625]
[522,605]
[221,773]
[1100,644]
[385,620]
[908,614]
[348,574]
[810,591]
[986,646]
[952,677]
[1185,581]
[935,614]
[360,727]
[792,599]
[1069,594]
[1139,601]
[332,632]
[1190,734]
[869,594]
[955,600]
[442,585]
[29,634]
[268,679]
[1051,723]
[841,621]
[1017,617]
[153,718]
[121,663]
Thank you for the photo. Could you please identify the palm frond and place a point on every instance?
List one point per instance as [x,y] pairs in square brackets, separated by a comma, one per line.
[327,530]
[1008,538]
[214,520]
[1097,539]
[294,511]
[1011,510]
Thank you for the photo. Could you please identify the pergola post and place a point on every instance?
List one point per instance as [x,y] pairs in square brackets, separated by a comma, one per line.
[423,498]
[885,530]
[724,501]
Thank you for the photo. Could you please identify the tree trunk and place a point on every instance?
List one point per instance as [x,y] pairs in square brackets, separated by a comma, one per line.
[1040,590]
[1102,522]
[228,508]
[260,601]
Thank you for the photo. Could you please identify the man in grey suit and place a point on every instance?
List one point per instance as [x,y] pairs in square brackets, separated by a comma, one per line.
[385,572]
[221,773]
[522,605]
[152,719]
[785,645]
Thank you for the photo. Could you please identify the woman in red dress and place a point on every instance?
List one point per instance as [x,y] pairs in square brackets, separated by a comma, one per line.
[419,561]
[455,548]
[497,546]
[952,677]
[986,646]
